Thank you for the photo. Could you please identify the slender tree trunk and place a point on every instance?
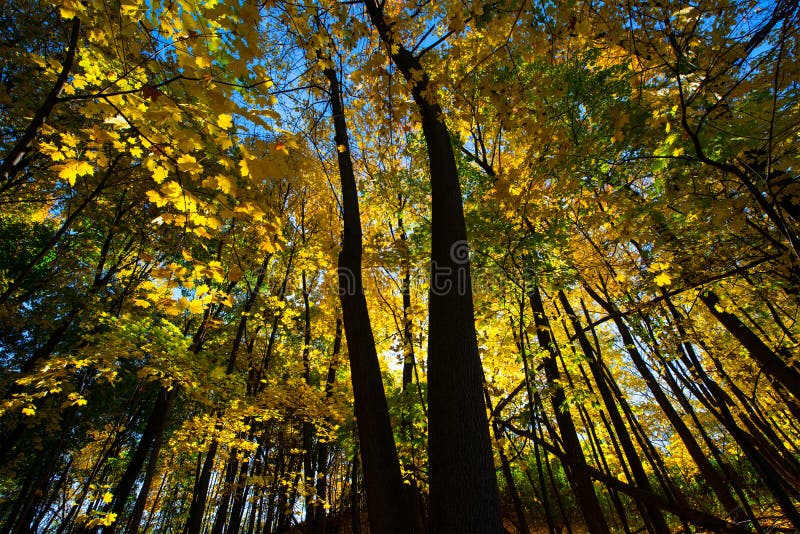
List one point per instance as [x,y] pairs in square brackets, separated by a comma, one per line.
[355,500]
[386,503]
[13,161]
[197,509]
[771,363]
[151,436]
[693,448]
[580,481]
[688,514]
[221,515]
[505,466]
[239,497]
[542,468]
[319,523]
[144,491]
[651,514]
[309,476]
[409,366]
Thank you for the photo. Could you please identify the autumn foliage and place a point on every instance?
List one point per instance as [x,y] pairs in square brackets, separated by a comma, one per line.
[399,266]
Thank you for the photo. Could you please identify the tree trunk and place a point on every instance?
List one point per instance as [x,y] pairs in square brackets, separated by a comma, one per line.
[463,484]
[651,514]
[197,509]
[13,161]
[388,511]
[151,436]
[319,522]
[771,363]
[708,472]
[580,481]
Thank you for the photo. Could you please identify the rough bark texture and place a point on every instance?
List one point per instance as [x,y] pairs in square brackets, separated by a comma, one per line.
[462,479]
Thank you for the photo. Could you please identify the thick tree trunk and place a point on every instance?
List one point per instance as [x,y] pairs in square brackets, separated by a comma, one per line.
[462,479]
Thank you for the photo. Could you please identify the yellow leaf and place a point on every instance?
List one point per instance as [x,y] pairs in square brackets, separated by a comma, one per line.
[217,373]
[109,519]
[201,232]
[118,120]
[171,189]
[108,497]
[224,184]
[29,410]
[52,150]
[188,163]
[663,279]
[72,169]
[141,303]
[155,198]
[224,121]
[196,306]
[160,174]
[202,62]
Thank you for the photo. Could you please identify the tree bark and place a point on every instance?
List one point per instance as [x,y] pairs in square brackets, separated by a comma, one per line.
[579,479]
[462,480]
[386,503]
[651,514]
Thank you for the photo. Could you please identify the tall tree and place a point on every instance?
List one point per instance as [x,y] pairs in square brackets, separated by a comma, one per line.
[463,484]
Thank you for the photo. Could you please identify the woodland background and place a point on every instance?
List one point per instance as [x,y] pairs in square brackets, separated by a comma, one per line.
[616,350]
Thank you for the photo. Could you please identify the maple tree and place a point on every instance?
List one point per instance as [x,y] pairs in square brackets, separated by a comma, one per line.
[399,266]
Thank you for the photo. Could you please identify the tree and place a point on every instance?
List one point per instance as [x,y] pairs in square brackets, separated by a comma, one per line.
[205,206]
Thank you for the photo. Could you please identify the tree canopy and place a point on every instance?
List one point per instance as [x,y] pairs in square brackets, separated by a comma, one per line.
[399,266]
